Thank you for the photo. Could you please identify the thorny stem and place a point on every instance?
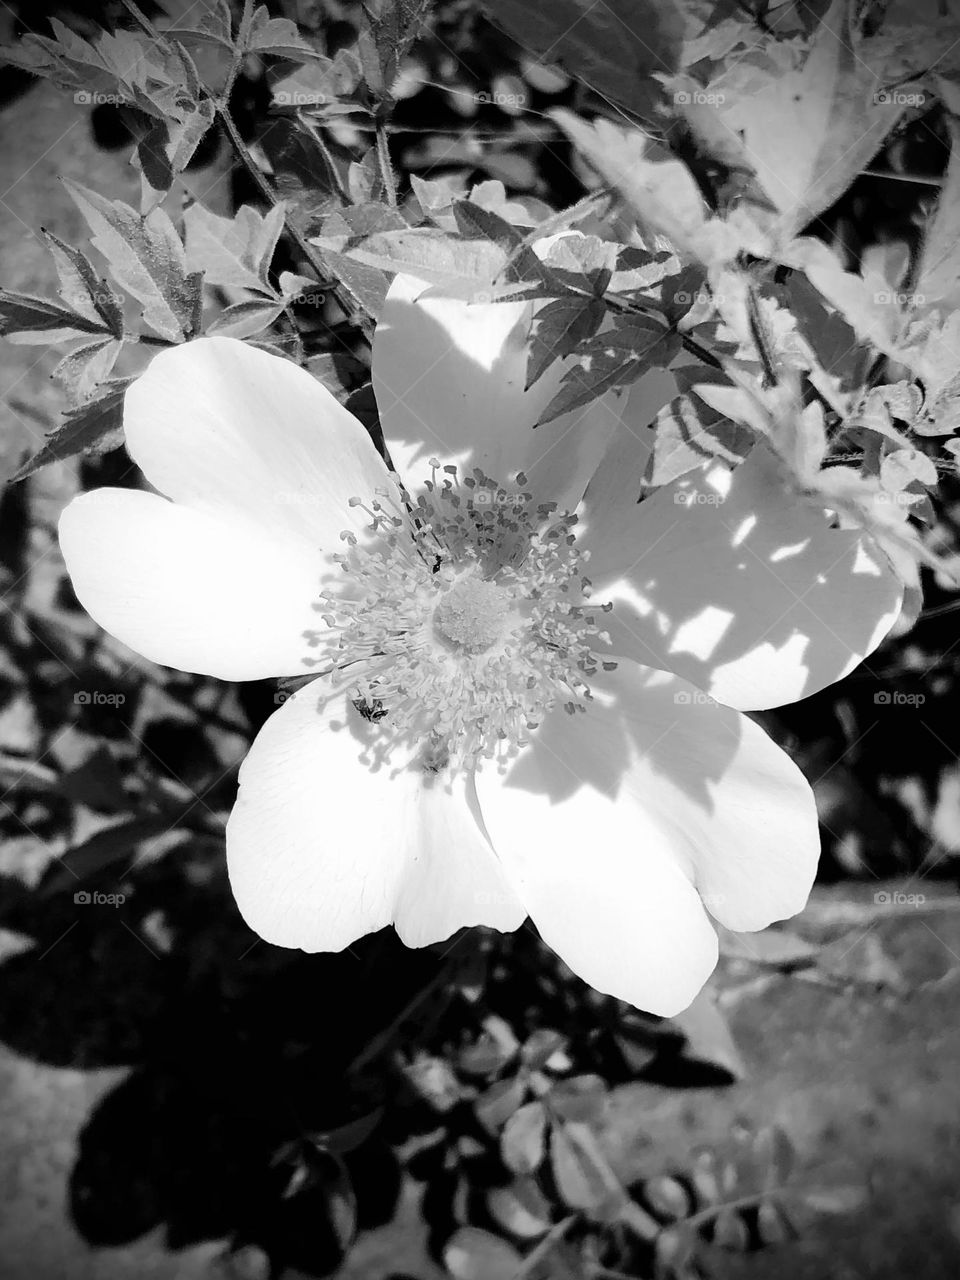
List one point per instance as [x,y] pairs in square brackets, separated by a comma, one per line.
[387,176]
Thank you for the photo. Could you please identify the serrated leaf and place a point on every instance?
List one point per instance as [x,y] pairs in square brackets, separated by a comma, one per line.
[146,258]
[22,315]
[245,319]
[472,1254]
[384,40]
[214,24]
[233,251]
[559,327]
[81,288]
[83,369]
[167,147]
[276,36]
[616,47]
[522,1141]
[94,428]
[612,359]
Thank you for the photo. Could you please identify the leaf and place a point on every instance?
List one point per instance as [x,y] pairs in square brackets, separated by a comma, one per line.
[662,194]
[167,147]
[807,133]
[709,1039]
[233,251]
[616,47]
[520,1208]
[666,1197]
[613,359]
[425,252]
[581,1098]
[690,433]
[146,258]
[540,1046]
[905,466]
[778,948]
[499,1102]
[21,314]
[81,288]
[493,1050]
[773,1225]
[246,319]
[347,1137]
[94,428]
[938,271]
[581,1172]
[472,1254]
[730,1231]
[522,1141]
[559,327]
[259,33]
[100,851]
[83,369]
[213,25]
[385,39]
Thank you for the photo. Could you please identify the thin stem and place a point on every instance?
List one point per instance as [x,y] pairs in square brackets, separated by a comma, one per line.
[387,175]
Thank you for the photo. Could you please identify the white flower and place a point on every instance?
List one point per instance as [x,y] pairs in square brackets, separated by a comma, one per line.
[616,807]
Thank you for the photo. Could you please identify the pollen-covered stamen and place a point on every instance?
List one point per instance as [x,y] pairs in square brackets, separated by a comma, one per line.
[472,602]
[473,613]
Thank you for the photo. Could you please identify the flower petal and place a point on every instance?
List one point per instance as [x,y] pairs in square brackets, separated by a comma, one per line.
[733,580]
[612,821]
[220,425]
[324,845]
[449,380]
[211,594]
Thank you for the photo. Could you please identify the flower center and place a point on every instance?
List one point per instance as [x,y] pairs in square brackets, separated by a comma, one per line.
[473,613]
[465,618]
